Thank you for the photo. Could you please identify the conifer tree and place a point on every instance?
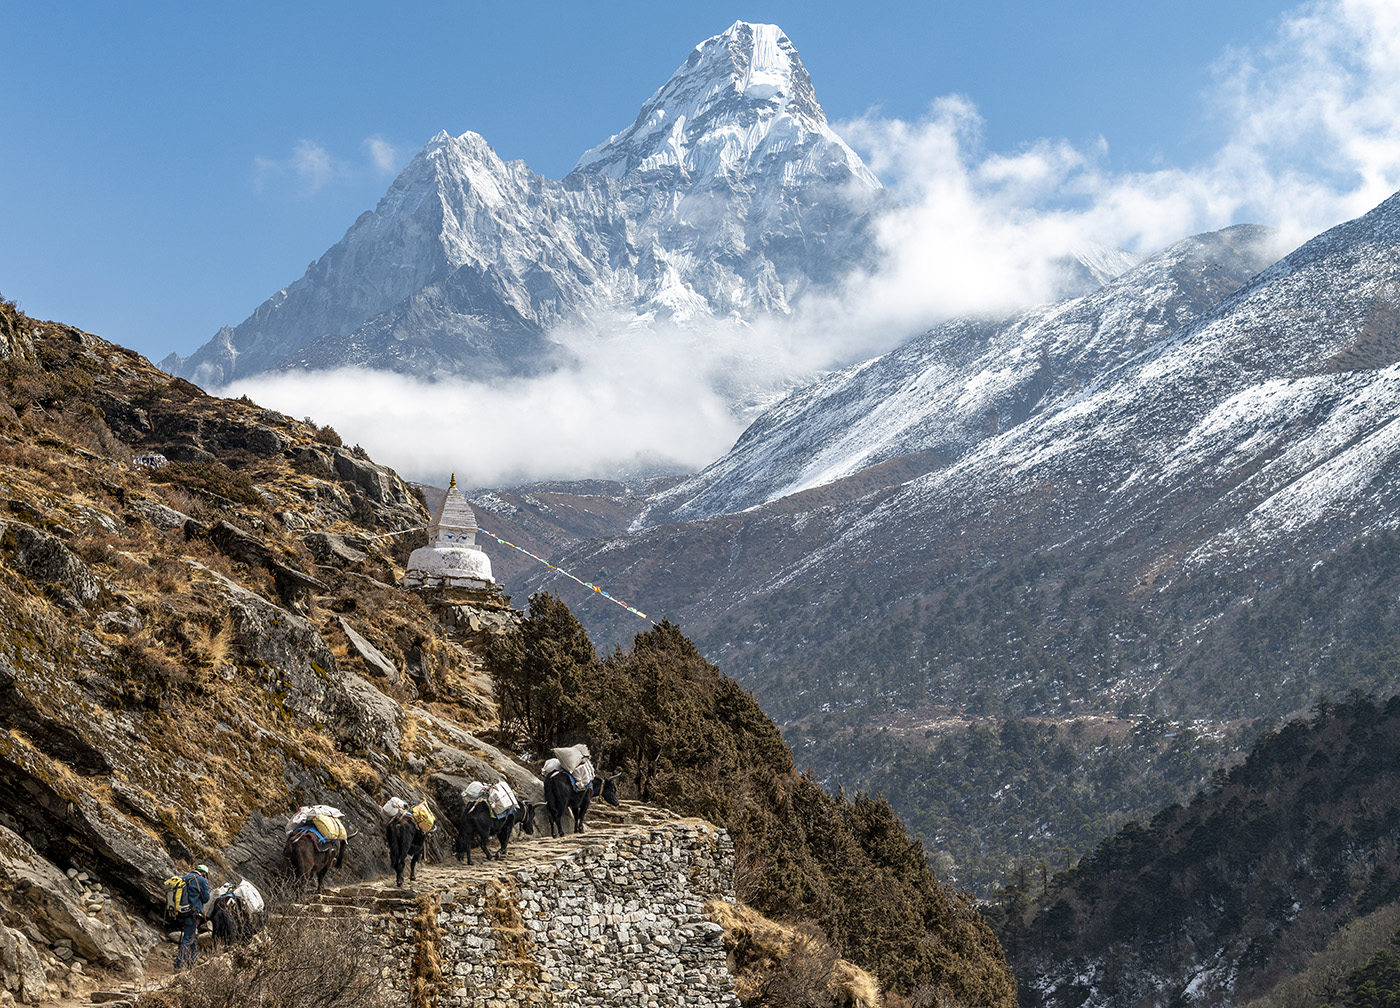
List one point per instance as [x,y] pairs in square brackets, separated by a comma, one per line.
[541,672]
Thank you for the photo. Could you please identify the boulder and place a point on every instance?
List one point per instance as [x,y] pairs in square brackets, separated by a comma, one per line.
[187,453]
[43,558]
[15,340]
[389,496]
[159,515]
[376,725]
[455,753]
[21,969]
[376,658]
[293,584]
[331,550]
[238,435]
[375,481]
[241,546]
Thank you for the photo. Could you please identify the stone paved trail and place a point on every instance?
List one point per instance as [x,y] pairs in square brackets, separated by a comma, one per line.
[380,895]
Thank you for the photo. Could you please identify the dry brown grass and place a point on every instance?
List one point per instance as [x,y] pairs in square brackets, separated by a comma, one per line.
[427,963]
[789,965]
[297,961]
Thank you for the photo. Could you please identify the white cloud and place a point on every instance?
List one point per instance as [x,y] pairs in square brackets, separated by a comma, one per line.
[309,163]
[1312,121]
[383,156]
[631,405]
[313,166]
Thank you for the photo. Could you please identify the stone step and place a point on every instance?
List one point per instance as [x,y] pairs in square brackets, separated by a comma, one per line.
[114,998]
[383,894]
[312,910]
[344,896]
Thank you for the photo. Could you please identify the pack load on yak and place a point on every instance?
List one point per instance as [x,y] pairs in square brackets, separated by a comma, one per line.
[475,791]
[423,816]
[245,891]
[574,761]
[235,912]
[501,799]
[323,820]
[394,807]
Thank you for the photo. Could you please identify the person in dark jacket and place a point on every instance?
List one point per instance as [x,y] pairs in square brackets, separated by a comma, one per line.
[191,913]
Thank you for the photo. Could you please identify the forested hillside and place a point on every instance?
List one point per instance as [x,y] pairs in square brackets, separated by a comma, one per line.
[1012,733]
[682,734]
[1216,901]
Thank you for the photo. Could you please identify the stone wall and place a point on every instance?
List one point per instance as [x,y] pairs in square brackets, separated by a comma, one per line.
[620,922]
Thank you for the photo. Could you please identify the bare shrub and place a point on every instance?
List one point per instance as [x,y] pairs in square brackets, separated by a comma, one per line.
[210,479]
[99,549]
[299,959]
[779,965]
[799,978]
[324,433]
[185,502]
[149,675]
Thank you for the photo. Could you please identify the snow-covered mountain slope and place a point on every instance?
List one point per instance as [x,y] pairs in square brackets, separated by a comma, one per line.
[1252,437]
[728,198]
[1268,425]
[742,106]
[465,262]
[968,380]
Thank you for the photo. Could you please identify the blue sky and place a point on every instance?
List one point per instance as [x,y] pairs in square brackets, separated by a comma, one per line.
[166,167]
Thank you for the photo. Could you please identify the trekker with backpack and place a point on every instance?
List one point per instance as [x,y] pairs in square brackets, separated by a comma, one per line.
[193,898]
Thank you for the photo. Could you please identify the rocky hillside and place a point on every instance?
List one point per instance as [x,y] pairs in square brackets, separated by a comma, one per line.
[198,633]
[200,630]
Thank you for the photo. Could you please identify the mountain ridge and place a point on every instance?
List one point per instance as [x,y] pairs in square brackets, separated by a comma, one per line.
[967,379]
[468,263]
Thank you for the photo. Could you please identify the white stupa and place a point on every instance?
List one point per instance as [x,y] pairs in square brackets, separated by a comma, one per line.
[452,559]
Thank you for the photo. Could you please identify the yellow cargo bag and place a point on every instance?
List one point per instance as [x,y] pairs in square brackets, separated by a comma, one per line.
[423,817]
[329,827]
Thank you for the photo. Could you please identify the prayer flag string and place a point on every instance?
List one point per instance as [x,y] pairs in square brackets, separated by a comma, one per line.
[561,570]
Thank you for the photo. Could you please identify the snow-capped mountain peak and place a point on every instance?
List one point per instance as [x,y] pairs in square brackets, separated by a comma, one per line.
[742,96]
[728,198]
